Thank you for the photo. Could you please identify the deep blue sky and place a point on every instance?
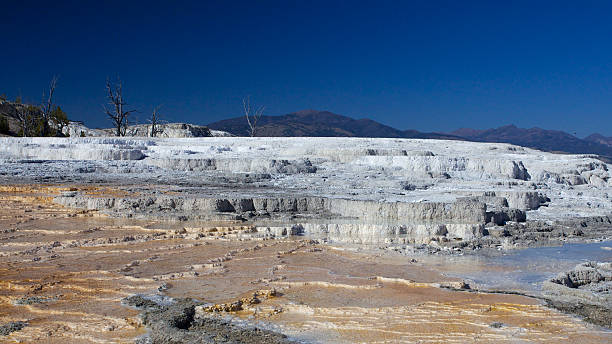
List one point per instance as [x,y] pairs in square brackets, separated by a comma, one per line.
[425,65]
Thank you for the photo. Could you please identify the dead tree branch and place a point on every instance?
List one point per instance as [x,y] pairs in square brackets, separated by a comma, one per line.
[252,116]
[22,118]
[46,107]
[156,126]
[26,115]
[116,112]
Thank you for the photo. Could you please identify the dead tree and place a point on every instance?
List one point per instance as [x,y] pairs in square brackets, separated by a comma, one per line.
[46,107]
[116,112]
[252,116]
[156,126]
[26,115]
[22,117]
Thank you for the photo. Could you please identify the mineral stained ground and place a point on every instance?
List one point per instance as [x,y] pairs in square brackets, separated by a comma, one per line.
[291,239]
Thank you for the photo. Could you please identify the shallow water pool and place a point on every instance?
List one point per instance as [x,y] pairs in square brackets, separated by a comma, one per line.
[521,270]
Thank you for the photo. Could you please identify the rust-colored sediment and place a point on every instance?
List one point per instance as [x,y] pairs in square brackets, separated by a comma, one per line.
[80,265]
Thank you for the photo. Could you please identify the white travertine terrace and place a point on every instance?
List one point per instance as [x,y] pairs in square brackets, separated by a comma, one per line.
[399,184]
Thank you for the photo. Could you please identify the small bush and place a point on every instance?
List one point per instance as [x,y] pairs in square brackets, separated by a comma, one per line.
[4,125]
[59,119]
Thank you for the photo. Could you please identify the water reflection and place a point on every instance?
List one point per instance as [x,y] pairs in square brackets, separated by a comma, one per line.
[522,270]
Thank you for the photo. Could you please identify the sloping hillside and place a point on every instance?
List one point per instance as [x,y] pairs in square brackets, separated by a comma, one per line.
[598,138]
[318,124]
[547,140]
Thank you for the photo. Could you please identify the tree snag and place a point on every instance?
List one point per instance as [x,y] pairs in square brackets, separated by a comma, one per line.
[252,116]
[116,110]
[46,107]
[156,126]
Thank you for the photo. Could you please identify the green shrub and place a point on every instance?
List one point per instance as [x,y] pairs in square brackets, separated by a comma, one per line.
[59,119]
[4,125]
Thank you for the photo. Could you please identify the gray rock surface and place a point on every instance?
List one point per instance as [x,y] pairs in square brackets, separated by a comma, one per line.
[10,327]
[586,290]
[177,323]
[590,276]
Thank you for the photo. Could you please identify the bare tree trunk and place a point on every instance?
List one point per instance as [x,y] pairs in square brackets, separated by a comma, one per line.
[116,112]
[47,106]
[252,116]
[156,126]
[22,117]
[26,114]
[126,124]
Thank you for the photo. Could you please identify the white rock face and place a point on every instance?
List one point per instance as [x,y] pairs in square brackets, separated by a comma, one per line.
[170,130]
[413,188]
[167,130]
[362,233]
[75,149]
[76,129]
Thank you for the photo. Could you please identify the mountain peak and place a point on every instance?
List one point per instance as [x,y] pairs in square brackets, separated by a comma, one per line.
[600,139]
[596,136]
[308,112]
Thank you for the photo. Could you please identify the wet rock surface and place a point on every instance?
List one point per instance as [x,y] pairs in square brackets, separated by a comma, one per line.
[178,323]
[596,314]
[8,328]
[593,276]
[585,290]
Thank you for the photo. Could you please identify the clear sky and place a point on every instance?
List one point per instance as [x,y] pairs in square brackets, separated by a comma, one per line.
[425,65]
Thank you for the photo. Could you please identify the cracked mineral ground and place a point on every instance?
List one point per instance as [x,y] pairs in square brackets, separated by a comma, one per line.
[301,240]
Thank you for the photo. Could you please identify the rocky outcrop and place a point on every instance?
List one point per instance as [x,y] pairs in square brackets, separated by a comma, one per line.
[176,130]
[365,211]
[587,276]
[430,212]
[343,220]
[523,200]
[592,172]
[361,233]
[78,129]
[178,322]
[423,164]
[244,165]
[585,290]
[501,216]
[165,130]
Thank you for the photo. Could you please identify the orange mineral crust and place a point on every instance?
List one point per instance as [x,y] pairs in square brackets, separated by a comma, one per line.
[64,272]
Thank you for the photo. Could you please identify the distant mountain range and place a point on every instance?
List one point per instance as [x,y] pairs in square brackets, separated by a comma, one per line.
[547,140]
[319,124]
[324,123]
